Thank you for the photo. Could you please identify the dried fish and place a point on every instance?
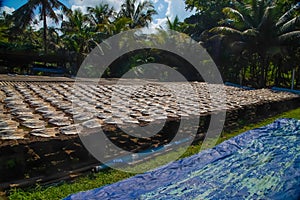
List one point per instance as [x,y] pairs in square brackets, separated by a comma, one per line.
[8,125]
[112,121]
[34,124]
[93,123]
[130,120]
[53,114]
[16,111]
[44,109]
[60,121]
[11,135]
[83,116]
[44,132]
[27,116]
[73,129]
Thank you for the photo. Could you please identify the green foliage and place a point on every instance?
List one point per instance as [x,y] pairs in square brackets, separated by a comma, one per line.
[255,28]
[174,25]
[83,32]
[24,15]
[140,13]
[243,37]
[208,14]
[79,32]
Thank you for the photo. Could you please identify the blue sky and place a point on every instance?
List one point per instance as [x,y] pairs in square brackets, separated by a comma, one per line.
[165,8]
[17,3]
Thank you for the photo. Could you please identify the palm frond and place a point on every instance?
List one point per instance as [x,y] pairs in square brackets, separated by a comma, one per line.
[24,15]
[268,17]
[292,38]
[290,25]
[226,31]
[250,34]
[286,16]
[59,5]
[236,16]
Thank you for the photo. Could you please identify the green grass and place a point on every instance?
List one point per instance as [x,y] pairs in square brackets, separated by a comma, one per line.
[110,176]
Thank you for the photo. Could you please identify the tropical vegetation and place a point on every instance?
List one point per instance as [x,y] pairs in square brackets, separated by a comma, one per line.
[258,35]
[253,42]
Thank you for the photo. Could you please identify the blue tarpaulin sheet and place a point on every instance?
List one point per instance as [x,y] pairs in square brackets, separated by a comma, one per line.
[49,70]
[263,163]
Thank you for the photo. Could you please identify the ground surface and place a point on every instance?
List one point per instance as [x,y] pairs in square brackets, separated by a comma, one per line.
[62,190]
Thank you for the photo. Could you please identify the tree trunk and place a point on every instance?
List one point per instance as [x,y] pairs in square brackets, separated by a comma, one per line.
[45,30]
[267,66]
[263,63]
[277,74]
[79,60]
[293,78]
[297,77]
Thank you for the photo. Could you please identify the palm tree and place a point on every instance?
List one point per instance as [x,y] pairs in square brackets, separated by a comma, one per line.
[79,36]
[119,25]
[26,13]
[207,15]
[5,25]
[104,18]
[257,27]
[173,25]
[76,33]
[140,13]
[101,14]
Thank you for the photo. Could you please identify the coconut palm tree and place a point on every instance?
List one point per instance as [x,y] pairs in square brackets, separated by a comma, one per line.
[101,14]
[24,15]
[79,36]
[177,25]
[105,19]
[173,25]
[5,25]
[77,33]
[257,27]
[140,13]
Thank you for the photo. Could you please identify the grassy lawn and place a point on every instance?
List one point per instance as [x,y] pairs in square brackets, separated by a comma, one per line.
[110,176]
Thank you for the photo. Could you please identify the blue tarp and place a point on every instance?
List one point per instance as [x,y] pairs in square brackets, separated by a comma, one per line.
[49,70]
[286,90]
[263,163]
[239,86]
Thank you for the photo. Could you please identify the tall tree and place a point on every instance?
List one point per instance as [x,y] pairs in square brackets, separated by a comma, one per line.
[103,18]
[140,13]
[102,13]
[47,8]
[258,27]
[207,15]
[79,36]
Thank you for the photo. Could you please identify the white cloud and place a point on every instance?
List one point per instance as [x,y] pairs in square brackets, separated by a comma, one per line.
[177,7]
[160,23]
[156,24]
[6,9]
[89,3]
[160,7]
[82,8]
[173,8]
